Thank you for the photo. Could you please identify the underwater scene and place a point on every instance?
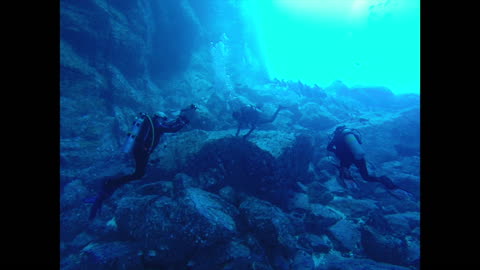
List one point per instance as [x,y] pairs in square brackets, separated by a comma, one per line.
[240,134]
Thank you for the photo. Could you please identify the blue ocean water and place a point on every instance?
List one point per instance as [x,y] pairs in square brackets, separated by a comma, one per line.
[301,149]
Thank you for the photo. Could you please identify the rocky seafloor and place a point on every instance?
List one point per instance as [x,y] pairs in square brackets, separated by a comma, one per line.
[211,200]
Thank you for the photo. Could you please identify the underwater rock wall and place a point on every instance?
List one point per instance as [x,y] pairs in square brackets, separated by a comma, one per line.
[118,59]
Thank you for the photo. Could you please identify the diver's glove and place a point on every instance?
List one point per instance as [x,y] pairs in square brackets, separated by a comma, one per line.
[184,119]
[188,113]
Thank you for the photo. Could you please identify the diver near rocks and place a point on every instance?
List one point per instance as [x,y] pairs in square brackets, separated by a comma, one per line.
[251,116]
[346,145]
[141,141]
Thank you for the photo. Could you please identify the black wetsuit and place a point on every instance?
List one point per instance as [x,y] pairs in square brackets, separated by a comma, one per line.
[251,117]
[142,149]
[341,150]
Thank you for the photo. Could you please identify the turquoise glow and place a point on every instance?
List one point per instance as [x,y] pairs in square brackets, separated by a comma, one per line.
[360,42]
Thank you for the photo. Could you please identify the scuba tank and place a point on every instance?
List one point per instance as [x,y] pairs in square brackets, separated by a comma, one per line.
[353,143]
[132,135]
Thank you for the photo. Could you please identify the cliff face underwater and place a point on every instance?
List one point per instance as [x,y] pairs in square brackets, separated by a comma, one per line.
[210,199]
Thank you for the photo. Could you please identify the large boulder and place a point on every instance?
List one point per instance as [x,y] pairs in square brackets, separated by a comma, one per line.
[235,162]
[269,225]
[325,167]
[384,247]
[403,223]
[174,228]
[299,202]
[302,261]
[210,218]
[320,218]
[346,236]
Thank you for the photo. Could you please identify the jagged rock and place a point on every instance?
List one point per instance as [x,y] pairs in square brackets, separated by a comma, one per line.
[315,243]
[318,193]
[273,141]
[320,218]
[269,224]
[173,228]
[408,182]
[413,252]
[178,147]
[334,187]
[378,221]
[295,161]
[104,226]
[346,236]
[73,222]
[403,223]
[228,193]
[259,253]
[302,261]
[297,218]
[139,216]
[235,162]
[325,168]
[111,255]
[80,241]
[316,117]
[383,247]
[231,255]
[72,195]
[183,181]
[299,201]
[354,207]
[211,218]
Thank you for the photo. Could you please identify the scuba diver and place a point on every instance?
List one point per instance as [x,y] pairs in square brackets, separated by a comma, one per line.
[346,145]
[251,116]
[141,141]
